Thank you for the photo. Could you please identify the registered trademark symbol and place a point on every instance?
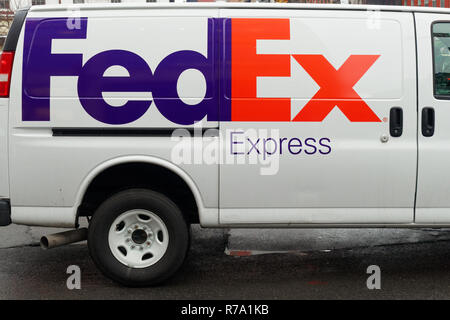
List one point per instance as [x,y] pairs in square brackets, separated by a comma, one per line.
[385,119]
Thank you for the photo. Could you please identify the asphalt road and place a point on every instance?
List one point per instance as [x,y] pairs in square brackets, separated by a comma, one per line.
[409,270]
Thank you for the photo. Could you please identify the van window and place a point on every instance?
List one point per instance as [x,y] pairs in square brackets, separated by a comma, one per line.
[441,53]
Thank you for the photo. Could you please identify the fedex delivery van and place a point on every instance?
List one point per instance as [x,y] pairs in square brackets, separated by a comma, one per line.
[145,119]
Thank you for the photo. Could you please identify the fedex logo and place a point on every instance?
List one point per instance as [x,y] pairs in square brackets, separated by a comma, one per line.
[231,63]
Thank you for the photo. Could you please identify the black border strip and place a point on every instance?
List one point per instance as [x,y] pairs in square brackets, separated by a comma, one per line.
[128,132]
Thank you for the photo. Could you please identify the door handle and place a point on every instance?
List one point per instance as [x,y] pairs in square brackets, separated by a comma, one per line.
[427,121]
[396,121]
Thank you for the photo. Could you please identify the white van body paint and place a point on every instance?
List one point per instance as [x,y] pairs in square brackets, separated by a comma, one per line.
[364,182]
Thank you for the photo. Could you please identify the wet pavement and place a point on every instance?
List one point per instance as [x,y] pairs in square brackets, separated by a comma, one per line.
[269,264]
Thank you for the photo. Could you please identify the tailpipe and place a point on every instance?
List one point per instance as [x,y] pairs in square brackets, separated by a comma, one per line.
[60,239]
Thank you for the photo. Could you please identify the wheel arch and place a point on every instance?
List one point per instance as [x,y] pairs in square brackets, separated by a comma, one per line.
[90,178]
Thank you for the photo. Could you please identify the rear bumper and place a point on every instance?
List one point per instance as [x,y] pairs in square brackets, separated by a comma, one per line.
[5,212]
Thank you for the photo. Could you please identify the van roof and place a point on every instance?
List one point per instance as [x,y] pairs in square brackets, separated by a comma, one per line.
[233,5]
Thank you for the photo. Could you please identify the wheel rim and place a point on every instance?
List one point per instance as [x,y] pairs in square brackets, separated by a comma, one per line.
[138,238]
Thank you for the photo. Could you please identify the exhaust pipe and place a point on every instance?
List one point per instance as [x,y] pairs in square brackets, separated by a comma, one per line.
[60,239]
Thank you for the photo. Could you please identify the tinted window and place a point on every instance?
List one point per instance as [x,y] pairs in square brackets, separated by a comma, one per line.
[441,52]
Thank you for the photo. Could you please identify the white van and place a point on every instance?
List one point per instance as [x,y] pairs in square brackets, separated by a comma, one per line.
[148,118]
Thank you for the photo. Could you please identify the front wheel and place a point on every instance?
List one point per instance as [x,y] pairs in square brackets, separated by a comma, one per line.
[138,237]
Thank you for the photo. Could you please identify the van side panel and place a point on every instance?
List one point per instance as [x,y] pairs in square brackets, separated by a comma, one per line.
[311,98]
[10,45]
[433,189]
[111,70]
[98,72]
[4,176]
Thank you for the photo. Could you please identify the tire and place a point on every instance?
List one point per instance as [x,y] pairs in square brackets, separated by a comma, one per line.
[116,243]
